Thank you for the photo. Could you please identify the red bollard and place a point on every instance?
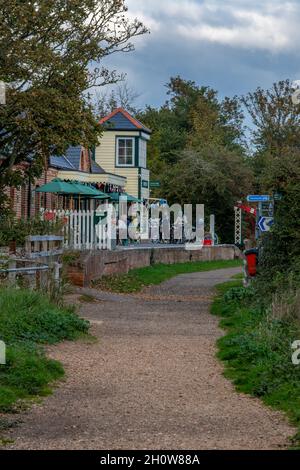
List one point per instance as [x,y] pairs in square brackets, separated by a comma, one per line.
[251,257]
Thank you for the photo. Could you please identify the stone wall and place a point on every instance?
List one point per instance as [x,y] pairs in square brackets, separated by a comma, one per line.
[93,265]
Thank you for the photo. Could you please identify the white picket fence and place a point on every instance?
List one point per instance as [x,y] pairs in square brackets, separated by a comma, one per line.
[82,229]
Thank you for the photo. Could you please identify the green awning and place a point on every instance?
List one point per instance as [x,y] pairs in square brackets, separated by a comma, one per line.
[116,197]
[62,187]
[86,190]
[57,186]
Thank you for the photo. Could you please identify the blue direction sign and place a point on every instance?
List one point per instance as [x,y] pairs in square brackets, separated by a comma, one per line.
[265,223]
[258,198]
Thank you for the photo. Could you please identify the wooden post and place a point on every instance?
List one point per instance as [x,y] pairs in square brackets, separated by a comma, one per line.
[57,267]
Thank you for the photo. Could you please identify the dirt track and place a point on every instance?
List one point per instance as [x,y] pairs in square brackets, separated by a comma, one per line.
[151,381]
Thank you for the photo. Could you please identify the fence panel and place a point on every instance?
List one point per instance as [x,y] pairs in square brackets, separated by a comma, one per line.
[81,231]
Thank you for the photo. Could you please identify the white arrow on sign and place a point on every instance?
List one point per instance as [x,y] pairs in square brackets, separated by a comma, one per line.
[265,223]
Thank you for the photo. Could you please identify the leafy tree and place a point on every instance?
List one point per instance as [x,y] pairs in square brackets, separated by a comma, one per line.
[196,139]
[167,140]
[276,164]
[206,119]
[281,247]
[50,55]
[275,118]
[212,176]
[191,118]
[219,123]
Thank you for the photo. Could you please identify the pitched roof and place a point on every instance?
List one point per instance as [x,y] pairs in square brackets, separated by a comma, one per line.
[121,120]
[61,162]
[71,161]
[95,168]
[73,154]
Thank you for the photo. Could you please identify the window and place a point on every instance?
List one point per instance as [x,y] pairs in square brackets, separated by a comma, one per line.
[125,151]
[143,153]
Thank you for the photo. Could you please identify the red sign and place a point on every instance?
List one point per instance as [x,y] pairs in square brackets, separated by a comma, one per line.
[49,216]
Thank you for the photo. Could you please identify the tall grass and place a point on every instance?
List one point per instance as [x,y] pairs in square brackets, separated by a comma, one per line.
[257,347]
[27,321]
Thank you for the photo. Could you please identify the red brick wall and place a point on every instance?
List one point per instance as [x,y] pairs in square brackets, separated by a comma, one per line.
[25,202]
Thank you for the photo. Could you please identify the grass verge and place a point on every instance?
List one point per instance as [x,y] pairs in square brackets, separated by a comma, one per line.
[257,350]
[136,279]
[29,320]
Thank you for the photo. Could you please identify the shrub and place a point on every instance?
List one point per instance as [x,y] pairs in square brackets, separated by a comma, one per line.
[239,293]
[27,372]
[12,229]
[27,320]
[30,316]
[257,347]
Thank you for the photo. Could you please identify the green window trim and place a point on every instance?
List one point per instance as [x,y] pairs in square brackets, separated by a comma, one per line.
[123,165]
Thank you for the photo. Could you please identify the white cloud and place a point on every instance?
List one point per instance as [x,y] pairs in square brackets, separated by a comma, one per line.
[267,25]
[257,32]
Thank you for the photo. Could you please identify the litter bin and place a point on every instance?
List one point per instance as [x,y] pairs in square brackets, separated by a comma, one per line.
[251,258]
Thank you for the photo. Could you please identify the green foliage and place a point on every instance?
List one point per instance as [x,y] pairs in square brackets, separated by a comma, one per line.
[257,349]
[168,139]
[212,176]
[70,257]
[279,264]
[51,56]
[192,118]
[276,119]
[239,293]
[27,373]
[136,279]
[28,319]
[197,151]
[29,316]
[12,229]
[276,165]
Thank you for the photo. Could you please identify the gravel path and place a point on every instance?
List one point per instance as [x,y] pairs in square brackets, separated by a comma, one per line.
[151,381]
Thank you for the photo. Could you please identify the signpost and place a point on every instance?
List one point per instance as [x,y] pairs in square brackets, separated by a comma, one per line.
[264,213]
[154,184]
[265,223]
[258,198]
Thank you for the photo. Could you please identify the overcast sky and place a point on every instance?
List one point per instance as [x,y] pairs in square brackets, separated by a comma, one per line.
[231,45]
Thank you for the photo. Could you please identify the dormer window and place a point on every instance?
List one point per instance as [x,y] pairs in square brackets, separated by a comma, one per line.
[125,151]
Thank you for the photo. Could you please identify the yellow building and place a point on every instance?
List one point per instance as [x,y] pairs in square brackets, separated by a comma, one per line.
[123,151]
